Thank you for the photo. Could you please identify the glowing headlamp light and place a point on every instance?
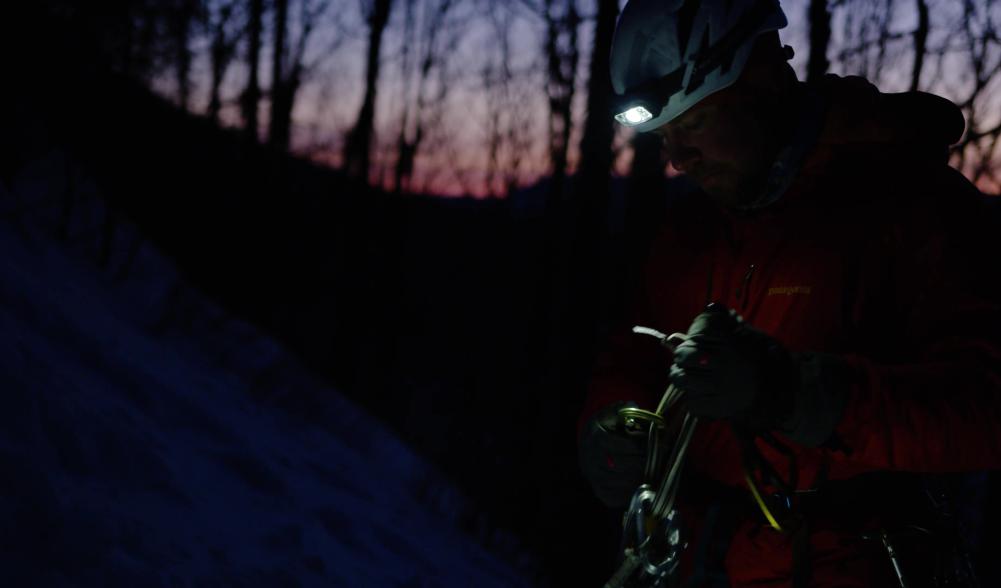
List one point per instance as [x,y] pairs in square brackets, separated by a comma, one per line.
[634,116]
[646,101]
[640,105]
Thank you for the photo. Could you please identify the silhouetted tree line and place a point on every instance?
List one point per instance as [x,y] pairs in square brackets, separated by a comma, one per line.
[419,53]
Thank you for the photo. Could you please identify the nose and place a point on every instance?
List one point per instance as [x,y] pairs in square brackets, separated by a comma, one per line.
[679,152]
[684,157]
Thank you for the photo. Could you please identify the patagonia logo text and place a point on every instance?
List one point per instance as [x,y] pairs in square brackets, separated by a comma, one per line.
[789,290]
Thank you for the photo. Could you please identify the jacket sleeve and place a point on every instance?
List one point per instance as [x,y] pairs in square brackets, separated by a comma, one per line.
[934,403]
[633,367]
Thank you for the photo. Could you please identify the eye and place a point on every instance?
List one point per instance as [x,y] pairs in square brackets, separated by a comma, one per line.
[695,123]
[665,144]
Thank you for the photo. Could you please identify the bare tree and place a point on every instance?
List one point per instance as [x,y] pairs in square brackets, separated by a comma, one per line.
[435,40]
[251,96]
[358,145]
[279,47]
[509,122]
[404,156]
[138,59]
[288,72]
[873,45]
[589,269]
[977,155]
[820,38]
[920,43]
[562,55]
[181,20]
[222,49]
[960,40]
[491,79]
[596,144]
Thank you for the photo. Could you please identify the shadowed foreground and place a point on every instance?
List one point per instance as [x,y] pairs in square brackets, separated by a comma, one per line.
[140,450]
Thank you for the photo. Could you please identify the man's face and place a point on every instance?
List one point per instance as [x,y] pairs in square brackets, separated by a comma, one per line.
[724,144]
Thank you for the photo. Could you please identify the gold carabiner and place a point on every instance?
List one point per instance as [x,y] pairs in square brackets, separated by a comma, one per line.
[630,415]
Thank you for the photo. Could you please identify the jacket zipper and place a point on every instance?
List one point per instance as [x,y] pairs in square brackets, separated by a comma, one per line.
[743,291]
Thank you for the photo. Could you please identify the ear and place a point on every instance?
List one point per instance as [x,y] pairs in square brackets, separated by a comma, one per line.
[766,82]
[767,72]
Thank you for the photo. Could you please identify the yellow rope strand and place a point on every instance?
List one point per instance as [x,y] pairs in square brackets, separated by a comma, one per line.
[761,502]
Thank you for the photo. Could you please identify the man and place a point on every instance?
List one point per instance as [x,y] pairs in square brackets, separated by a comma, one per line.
[854,342]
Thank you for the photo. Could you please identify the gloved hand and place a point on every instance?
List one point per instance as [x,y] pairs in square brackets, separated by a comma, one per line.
[612,458]
[730,370]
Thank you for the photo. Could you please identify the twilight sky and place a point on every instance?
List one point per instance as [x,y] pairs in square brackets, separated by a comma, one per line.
[453,157]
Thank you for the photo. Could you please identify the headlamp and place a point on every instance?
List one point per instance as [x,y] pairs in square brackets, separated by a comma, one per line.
[643,103]
[634,116]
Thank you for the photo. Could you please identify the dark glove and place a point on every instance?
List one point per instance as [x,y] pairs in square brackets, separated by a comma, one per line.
[612,458]
[730,370]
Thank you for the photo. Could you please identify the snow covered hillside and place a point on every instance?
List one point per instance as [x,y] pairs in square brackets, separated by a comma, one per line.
[149,439]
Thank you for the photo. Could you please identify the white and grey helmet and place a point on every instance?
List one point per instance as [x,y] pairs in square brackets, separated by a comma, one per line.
[667,55]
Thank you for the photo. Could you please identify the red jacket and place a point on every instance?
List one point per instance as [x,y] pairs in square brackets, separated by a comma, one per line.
[879,253]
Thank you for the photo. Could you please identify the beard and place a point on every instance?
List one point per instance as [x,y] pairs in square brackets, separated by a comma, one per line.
[735,174]
[727,186]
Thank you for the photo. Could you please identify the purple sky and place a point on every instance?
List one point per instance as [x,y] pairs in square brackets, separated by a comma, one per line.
[454,159]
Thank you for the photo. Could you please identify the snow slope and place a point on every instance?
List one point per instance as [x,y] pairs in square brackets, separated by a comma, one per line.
[143,443]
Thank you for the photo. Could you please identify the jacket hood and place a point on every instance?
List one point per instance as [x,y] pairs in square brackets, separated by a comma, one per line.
[848,116]
[858,113]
